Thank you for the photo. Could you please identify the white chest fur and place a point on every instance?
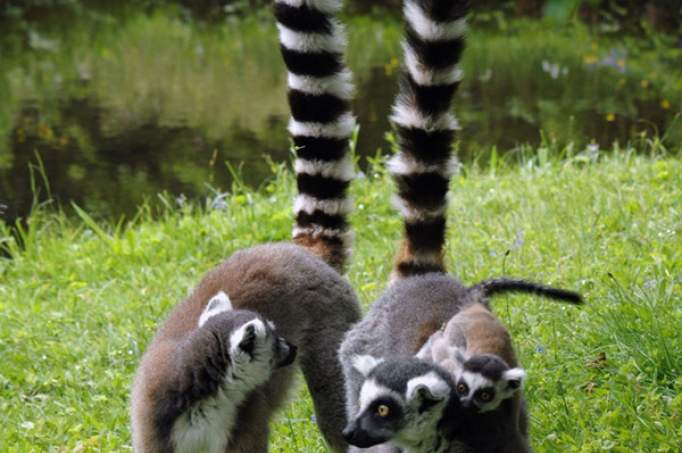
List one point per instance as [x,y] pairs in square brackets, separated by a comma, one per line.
[207,426]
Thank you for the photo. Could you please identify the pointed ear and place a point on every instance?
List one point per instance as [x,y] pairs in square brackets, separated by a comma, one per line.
[425,353]
[514,378]
[365,363]
[219,303]
[429,388]
[454,364]
[440,352]
[459,355]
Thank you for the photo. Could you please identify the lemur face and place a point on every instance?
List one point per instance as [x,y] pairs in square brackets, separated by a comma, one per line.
[252,339]
[483,381]
[400,401]
[257,339]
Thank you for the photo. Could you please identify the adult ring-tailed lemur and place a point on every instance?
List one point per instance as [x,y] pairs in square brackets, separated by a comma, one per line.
[396,400]
[217,369]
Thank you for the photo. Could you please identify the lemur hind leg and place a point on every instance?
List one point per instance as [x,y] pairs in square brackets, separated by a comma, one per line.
[254,428]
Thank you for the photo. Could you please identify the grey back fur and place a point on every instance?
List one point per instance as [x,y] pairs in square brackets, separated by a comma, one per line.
[397,325]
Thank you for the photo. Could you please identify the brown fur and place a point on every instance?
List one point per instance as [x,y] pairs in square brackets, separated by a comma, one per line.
[331,250]
[424,332]
[408,263]
[485,334]
[312,307]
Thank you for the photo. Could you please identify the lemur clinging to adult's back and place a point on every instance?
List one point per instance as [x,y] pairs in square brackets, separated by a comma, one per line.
[476,348]
[216,371]
[393,399]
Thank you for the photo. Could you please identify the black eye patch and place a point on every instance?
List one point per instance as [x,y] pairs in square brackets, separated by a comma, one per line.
[514,384]
[462,388]
[386,408]
[485,395]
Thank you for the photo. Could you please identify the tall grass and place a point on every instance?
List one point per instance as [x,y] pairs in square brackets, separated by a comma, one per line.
[79,301]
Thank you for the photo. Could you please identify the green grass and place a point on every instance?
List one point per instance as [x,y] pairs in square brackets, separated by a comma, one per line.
[80,301]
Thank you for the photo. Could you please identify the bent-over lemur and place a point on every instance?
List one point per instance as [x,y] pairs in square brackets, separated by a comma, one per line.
[198,386]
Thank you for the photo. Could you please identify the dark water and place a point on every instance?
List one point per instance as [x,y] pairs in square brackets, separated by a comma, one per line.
[91,153]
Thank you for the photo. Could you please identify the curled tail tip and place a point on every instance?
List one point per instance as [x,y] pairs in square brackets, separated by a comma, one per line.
[573,297]
[501,285]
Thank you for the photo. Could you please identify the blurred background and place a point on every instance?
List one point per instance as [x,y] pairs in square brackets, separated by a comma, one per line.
[107,106]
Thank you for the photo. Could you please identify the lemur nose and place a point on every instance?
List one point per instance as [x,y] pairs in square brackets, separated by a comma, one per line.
[348,433]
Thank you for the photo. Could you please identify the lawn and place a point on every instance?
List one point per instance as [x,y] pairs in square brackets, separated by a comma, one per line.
[79,301]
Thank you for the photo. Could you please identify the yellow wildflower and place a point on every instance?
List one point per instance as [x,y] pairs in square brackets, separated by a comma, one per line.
[590,59]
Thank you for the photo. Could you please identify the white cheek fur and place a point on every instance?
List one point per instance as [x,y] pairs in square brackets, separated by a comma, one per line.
[370,391]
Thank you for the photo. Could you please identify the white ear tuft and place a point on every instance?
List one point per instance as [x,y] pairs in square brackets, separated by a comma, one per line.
[429,386]
[514,377]
[460,355]
[440,352]
[365,363]
[425,353]
[456,357]
[220,303]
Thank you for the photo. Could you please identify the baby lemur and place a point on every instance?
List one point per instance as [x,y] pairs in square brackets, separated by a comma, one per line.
[477,349]
[422,297]
[216,372]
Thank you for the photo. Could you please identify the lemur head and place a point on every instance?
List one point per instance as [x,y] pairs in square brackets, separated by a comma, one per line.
[485,380]
[252,339]
[401,400]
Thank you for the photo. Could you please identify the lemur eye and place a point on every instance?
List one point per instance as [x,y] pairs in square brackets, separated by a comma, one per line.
[462,388]
[485,396]
[383,410]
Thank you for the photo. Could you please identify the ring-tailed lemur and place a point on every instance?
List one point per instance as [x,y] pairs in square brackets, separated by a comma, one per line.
[477,349]
[422,298]
[401,401]
[194,388]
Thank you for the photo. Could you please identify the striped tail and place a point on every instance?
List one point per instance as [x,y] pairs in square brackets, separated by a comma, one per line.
[425,128]
[495,286]
[320,89]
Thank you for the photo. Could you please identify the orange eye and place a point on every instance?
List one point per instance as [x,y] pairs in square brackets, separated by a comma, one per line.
[462,389]
[383,410]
